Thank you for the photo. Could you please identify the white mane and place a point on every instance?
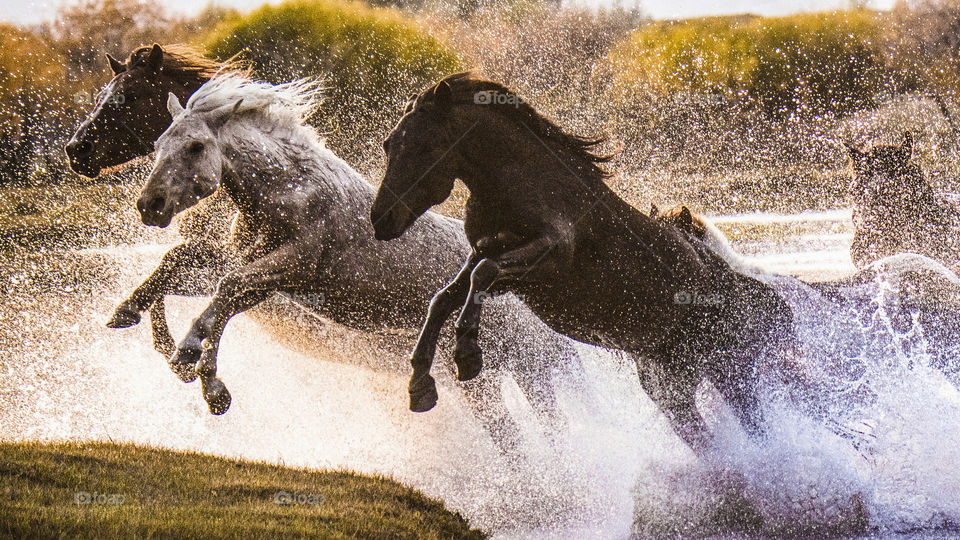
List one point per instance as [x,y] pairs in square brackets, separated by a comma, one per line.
[261,128]
[290,103]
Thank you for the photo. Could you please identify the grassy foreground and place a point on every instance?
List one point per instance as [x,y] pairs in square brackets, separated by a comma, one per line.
[101,490]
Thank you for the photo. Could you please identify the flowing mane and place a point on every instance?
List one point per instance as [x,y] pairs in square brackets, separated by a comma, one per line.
[703,230]
[577,152]
[185,63]
[288,104]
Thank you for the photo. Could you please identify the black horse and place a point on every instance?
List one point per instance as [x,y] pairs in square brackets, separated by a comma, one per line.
[895,209]
[543,223]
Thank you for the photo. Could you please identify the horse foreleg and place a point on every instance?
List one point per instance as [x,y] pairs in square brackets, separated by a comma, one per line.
[467,353]
[180,262]
[484,397]
[423,389]
[287,268]
[515,264]
[738,385]
[536,382]
[162,339]
[673,391]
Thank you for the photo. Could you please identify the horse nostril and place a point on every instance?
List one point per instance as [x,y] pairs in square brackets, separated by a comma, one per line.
[82,149]
[154,205]
[157,205]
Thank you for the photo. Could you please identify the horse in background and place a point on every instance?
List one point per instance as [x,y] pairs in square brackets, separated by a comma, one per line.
[543,224]
[215,236]
[704,231]
[895,210]
[923,287]
[129,115]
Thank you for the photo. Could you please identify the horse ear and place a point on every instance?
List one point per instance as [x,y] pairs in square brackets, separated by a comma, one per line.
[852,151]
[155,60]
[686,217]
[116,66]
[442,93]
[220,115]
[173,105]
[654,211]
[907,145]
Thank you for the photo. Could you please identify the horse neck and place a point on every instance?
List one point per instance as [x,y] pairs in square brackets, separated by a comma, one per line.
[505,163]
[183,88]
[158,121]
[288,159]
[720,245]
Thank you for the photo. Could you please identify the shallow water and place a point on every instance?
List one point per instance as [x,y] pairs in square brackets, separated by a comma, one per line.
[319,395]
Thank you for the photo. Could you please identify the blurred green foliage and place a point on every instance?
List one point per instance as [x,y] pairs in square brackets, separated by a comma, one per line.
[816,62]
[369,58]
[32,89]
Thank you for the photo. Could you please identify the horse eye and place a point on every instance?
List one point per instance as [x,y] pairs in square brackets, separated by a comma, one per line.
[195,148]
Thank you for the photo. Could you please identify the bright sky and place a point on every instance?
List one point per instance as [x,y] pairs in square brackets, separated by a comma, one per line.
[34,11]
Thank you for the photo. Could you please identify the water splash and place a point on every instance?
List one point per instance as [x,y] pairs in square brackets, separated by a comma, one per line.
[866,431]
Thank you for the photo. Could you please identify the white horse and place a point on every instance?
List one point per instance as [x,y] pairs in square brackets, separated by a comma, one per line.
[310,236]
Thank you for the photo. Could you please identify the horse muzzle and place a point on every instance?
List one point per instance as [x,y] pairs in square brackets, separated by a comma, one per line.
[154,210]
[79,154]
[392,223]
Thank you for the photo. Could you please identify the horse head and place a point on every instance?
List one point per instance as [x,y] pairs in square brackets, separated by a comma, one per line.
[188,165]
[129,112]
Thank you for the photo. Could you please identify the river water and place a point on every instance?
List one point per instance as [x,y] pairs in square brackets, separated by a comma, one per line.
[311,393]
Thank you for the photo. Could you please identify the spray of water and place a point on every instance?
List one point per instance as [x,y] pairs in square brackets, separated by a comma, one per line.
[863,434]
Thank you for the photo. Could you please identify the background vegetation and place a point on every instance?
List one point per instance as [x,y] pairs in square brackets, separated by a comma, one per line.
[712,95]
[371,60]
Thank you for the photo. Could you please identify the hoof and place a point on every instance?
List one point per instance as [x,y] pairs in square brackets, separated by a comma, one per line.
[424,397]
[217,397]
[184,364]
[469,361]
[123,317]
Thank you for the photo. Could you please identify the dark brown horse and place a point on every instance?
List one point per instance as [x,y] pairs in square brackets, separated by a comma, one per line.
[543,223]
[119,129]
[896,211]
[130,114]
